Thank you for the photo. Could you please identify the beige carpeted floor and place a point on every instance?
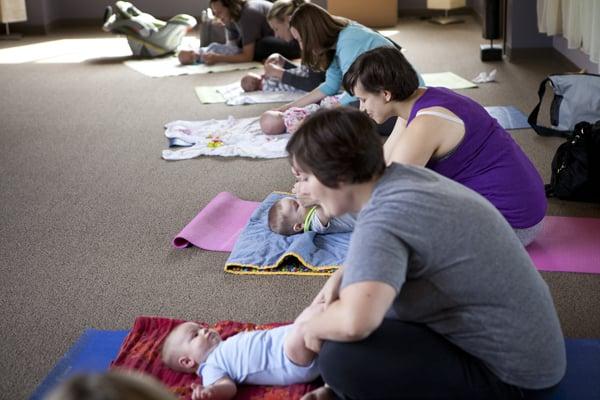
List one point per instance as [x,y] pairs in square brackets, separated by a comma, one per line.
[88,207]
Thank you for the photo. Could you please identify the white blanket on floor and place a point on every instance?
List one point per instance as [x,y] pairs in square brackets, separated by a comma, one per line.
[233,137]
[170,66]
[234,95]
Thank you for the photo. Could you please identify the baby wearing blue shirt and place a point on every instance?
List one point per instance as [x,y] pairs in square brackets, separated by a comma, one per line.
[267,357]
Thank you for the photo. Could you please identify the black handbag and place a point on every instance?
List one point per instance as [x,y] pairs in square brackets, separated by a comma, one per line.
[576,166]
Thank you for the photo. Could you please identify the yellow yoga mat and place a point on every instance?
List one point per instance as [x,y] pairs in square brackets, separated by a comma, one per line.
[170,66]
[448,80]
[209,94]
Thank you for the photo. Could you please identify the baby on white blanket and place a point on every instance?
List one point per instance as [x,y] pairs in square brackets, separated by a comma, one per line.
[234,95]
[231,137]
[275,122]
[252,82]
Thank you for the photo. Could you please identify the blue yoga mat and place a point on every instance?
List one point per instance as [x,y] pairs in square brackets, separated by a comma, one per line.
[95,349]
[582,380]
[508,117]
[93,352]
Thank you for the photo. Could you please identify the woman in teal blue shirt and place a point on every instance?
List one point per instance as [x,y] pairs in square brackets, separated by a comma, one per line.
[330,43]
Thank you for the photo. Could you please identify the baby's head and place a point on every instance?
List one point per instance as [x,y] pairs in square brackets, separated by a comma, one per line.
[251,82]
[187,57]
[188,345]
[271,122]
[112,385]
[286,216]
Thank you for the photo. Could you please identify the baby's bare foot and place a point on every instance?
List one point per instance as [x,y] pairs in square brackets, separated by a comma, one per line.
[322,393]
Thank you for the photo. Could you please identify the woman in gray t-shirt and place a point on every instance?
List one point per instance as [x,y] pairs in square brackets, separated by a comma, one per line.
[437,297]
[247,27]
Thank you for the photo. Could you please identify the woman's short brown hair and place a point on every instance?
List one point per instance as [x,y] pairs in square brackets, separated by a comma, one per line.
[235,7]
[283,8]
[338,145]
[319,33]
[382,68]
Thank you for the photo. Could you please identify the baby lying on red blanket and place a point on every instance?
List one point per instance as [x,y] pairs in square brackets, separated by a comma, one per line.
[270,357]
[141,351]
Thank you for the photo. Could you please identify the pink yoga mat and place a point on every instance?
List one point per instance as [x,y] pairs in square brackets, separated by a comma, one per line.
[218,225]
[567,244]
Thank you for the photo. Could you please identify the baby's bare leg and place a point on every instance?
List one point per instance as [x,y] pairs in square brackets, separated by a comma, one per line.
[294,346]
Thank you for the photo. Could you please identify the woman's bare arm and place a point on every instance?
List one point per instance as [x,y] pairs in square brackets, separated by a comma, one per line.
[359,310]
[427,136]
[309,98]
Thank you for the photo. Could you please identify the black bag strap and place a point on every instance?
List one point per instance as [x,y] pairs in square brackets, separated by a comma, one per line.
[532,119]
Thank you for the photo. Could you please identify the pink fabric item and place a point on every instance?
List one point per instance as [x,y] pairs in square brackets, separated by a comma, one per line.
[218,225]
[293,117]
[567,244]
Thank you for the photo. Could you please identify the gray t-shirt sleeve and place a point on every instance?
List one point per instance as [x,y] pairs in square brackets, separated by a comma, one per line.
[253,22]
[250,30]
[375,254]
[344,223]
[232,35]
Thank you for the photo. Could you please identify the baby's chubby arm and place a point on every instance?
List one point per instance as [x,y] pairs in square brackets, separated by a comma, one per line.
[223,389]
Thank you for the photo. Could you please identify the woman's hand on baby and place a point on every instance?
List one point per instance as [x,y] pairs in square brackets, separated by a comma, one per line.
[283,108]
[330,290]
[275,59]
[210,58]
[274,71]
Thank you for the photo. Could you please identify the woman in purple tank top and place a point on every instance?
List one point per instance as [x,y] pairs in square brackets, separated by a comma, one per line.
[450,134]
